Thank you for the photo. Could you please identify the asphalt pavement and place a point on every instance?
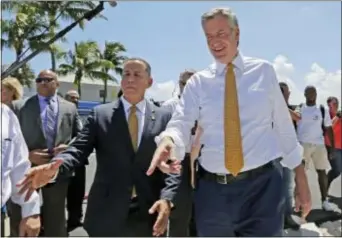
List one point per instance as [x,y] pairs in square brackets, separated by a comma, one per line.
[316,219]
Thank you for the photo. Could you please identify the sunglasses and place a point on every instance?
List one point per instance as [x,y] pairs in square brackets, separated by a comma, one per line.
[45,80]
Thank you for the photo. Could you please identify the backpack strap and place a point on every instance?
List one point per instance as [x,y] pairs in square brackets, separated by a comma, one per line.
[322,109]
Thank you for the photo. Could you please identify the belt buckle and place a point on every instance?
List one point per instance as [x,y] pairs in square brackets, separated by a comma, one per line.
[221,178]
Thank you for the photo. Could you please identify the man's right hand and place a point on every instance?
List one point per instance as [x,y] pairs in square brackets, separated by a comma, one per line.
[38,177]
[39,156]
[164,158]
[30,226]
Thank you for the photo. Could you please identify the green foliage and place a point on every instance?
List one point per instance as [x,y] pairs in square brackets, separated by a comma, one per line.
[85,61]
[32,23]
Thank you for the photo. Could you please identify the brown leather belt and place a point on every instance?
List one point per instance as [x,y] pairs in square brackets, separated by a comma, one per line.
[229,178]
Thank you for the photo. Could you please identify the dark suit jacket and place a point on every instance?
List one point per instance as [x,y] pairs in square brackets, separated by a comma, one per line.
[28,113]
[119,167]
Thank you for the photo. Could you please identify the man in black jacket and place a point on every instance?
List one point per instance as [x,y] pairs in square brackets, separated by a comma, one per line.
[123,200]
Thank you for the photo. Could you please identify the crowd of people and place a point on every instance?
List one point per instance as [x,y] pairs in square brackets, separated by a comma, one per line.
[226,157]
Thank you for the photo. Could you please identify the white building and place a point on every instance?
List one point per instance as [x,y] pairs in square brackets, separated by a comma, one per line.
[91,90]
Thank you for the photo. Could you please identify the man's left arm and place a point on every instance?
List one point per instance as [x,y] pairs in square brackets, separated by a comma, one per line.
[172,181]
[288,142]
[286,134]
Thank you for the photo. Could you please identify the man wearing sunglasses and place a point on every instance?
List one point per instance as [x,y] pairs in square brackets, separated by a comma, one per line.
[48,123]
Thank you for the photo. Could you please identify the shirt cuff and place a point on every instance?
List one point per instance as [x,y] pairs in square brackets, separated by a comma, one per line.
[294,158]
[179,145]
[31,207]
[53,180]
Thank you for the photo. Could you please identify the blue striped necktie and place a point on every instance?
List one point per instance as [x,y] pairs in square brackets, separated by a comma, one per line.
[50,125]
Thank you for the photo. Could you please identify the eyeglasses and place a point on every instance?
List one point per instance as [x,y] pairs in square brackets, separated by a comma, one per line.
[74,97]
[45,80]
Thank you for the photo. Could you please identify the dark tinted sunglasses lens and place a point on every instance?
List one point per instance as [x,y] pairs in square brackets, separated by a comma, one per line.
[47,80]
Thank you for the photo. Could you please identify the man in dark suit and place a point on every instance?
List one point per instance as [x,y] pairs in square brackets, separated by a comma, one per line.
[123,200]
[76,189]
[48,123]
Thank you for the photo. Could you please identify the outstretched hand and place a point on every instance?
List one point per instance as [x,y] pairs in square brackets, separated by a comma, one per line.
[164,158]
[163,208]
[38,177]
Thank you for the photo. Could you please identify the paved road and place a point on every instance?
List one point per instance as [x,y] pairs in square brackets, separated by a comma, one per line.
[335,191]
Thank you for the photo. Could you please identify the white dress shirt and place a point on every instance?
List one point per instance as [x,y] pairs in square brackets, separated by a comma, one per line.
[141,109]
[171,106]
[309,127]
[14,164]
[266,126]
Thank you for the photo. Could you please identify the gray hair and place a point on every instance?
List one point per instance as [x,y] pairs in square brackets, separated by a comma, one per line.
[221,11]
[147,65]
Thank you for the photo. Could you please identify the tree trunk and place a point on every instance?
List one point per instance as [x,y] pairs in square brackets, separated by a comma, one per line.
[77,81]
[79,88]
[53,61]
[105,91]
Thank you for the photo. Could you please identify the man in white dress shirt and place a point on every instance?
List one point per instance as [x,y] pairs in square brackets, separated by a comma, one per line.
[14,164]
[236,194]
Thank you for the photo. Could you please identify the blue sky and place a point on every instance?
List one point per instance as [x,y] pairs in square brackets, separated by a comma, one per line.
[169,34]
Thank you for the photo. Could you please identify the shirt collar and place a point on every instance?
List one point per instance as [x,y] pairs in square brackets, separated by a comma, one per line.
[220,68]
[141,106]
[53,98]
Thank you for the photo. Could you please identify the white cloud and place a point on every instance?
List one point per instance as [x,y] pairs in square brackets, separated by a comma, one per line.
[285,73]
[162,91]
[327,83]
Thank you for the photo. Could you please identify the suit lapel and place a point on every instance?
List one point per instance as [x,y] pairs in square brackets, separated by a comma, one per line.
[62,109]
[35,112]
[148,124]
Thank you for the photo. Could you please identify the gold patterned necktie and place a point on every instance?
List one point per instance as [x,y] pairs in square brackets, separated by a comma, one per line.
[233,152]
[133,128]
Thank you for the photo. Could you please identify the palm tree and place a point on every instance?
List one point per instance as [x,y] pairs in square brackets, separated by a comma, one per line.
[85,61]
[14,35]
[113,53]
[52,11]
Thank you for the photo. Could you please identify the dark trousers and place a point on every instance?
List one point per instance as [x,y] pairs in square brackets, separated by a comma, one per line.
[336,165]
[180,217]
[52,211]
[138,225]
[246,207]
[75,195]
[288,189]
